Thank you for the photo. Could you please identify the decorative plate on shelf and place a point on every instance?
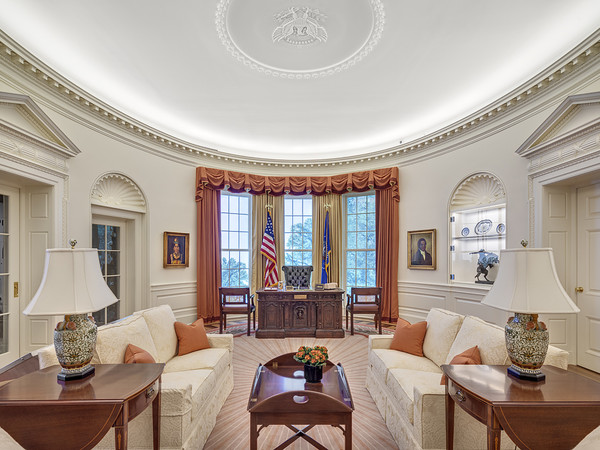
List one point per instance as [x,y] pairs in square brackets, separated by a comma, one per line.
[483,226]
[500,228]
[465,231]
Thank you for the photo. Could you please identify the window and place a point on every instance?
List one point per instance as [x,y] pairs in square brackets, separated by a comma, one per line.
[235,240]
[107,239]
[360,241]
[298,231]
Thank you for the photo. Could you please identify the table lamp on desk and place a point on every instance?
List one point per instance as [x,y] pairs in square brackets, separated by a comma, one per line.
[73,286]
[527,285]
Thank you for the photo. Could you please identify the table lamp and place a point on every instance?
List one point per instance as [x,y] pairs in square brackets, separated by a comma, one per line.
[73,286]
[527,284]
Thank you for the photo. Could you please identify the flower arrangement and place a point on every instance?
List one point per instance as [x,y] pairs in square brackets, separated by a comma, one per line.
[313,356]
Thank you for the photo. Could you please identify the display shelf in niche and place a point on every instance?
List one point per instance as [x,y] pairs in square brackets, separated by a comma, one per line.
[477,222]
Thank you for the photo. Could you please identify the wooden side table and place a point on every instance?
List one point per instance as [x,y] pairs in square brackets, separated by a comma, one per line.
[556,413]
[38,412]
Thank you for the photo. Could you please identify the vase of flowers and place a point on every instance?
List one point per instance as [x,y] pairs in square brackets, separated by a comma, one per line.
[313,358]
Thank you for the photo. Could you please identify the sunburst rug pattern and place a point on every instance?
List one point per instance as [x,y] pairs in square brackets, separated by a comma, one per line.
[232,430]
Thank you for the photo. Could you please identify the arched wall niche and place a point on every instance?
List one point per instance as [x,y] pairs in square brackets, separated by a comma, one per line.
[117,190]
[477,227]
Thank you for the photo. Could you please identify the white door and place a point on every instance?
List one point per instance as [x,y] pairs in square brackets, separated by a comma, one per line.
[110,238]
[9,275]
[588,277]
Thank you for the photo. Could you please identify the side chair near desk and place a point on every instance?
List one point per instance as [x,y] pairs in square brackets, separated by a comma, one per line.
[364,300]
[236,301]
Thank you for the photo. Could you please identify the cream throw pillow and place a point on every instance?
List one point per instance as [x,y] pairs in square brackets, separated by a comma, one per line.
[442,327]
[160,322]
[114,338]
[488,337]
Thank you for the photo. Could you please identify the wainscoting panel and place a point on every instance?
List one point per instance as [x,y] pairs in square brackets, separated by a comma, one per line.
[181,296]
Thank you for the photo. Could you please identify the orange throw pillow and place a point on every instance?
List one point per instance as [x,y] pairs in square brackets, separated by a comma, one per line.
[191,337]
[469,356]
[409,338]
[136,355]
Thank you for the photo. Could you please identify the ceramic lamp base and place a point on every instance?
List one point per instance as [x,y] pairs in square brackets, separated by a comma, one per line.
[527,344]
[74,342]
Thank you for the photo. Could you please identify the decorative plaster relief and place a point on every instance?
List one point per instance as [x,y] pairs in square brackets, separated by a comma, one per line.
[118,191]
[481,189]
[287,48]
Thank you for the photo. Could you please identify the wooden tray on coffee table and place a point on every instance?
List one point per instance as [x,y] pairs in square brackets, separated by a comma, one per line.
[280,396]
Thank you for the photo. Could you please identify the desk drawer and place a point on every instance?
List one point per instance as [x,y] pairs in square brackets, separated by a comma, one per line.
[467,401]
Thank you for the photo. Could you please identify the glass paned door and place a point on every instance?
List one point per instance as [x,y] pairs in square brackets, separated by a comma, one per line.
[9,266]
[107,239]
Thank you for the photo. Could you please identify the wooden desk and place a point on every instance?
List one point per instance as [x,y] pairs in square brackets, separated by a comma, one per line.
[280,396]
[557,413]
[300,313]
[38,412]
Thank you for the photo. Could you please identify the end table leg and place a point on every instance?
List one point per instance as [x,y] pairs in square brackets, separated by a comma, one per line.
[348,432]
[121,428]
[253,433]
[156,419]
[449,420]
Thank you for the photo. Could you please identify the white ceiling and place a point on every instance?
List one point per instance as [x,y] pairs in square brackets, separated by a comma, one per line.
[209,72]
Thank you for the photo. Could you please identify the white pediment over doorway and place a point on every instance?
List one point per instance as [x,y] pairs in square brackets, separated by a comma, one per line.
[571,133]
[22,118]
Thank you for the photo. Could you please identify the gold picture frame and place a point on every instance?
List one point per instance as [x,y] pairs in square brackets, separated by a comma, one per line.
[176,249]
[422,258]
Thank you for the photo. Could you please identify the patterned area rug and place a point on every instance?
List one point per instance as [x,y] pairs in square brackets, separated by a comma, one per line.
[238,327]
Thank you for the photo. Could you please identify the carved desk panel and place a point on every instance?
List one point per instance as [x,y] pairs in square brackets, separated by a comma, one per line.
[300,313]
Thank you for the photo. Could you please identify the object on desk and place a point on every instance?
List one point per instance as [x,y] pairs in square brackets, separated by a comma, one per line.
[289,288]
[319,287]
[281,285]
[527,284]
[330,286]
[72,285]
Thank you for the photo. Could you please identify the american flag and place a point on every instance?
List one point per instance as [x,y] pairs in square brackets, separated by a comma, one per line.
[267,248]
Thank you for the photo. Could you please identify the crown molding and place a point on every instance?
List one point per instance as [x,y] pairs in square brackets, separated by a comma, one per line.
[447,139]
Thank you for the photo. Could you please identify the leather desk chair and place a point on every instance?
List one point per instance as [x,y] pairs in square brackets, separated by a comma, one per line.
[364,300]
[236,301]
[297,275]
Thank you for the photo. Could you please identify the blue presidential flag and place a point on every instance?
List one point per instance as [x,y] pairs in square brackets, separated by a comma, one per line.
[326,256]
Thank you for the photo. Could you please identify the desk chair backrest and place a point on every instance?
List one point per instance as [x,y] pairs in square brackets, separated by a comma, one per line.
[297,275]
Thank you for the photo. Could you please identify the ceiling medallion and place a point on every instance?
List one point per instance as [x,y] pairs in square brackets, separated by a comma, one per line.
[297,43]
[300,26]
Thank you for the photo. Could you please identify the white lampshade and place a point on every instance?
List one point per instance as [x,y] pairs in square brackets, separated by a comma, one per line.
[527,283]
[72,284]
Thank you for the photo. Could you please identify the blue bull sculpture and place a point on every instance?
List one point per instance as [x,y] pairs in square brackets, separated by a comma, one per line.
[486,260]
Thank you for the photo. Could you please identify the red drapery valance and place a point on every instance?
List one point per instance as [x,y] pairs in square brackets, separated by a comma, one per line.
[297,185]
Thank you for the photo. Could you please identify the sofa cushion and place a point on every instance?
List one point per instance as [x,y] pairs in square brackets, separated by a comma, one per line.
[442,327]
[469,356]
[401,384]
[114,338]
[136,355]
[191,337]
[409,337]
[209,358]
[381,360]
[179,390]
[488,337]
[160,322]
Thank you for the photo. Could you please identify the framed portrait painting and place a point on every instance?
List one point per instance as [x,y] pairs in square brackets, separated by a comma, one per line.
[176,249]
[421,250]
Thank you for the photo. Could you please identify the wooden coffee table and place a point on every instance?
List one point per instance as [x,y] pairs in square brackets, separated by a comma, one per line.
[556,413]
[280,396]
[38,412]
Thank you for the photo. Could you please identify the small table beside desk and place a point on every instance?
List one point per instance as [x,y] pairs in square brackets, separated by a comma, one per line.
[556,413]
[300,313]
[38,412]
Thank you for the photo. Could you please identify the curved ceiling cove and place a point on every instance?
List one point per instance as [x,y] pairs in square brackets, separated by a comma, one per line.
[303,40]
[302,82]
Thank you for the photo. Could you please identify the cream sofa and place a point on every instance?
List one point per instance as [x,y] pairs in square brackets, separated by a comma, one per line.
[407,390]
[194,386]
